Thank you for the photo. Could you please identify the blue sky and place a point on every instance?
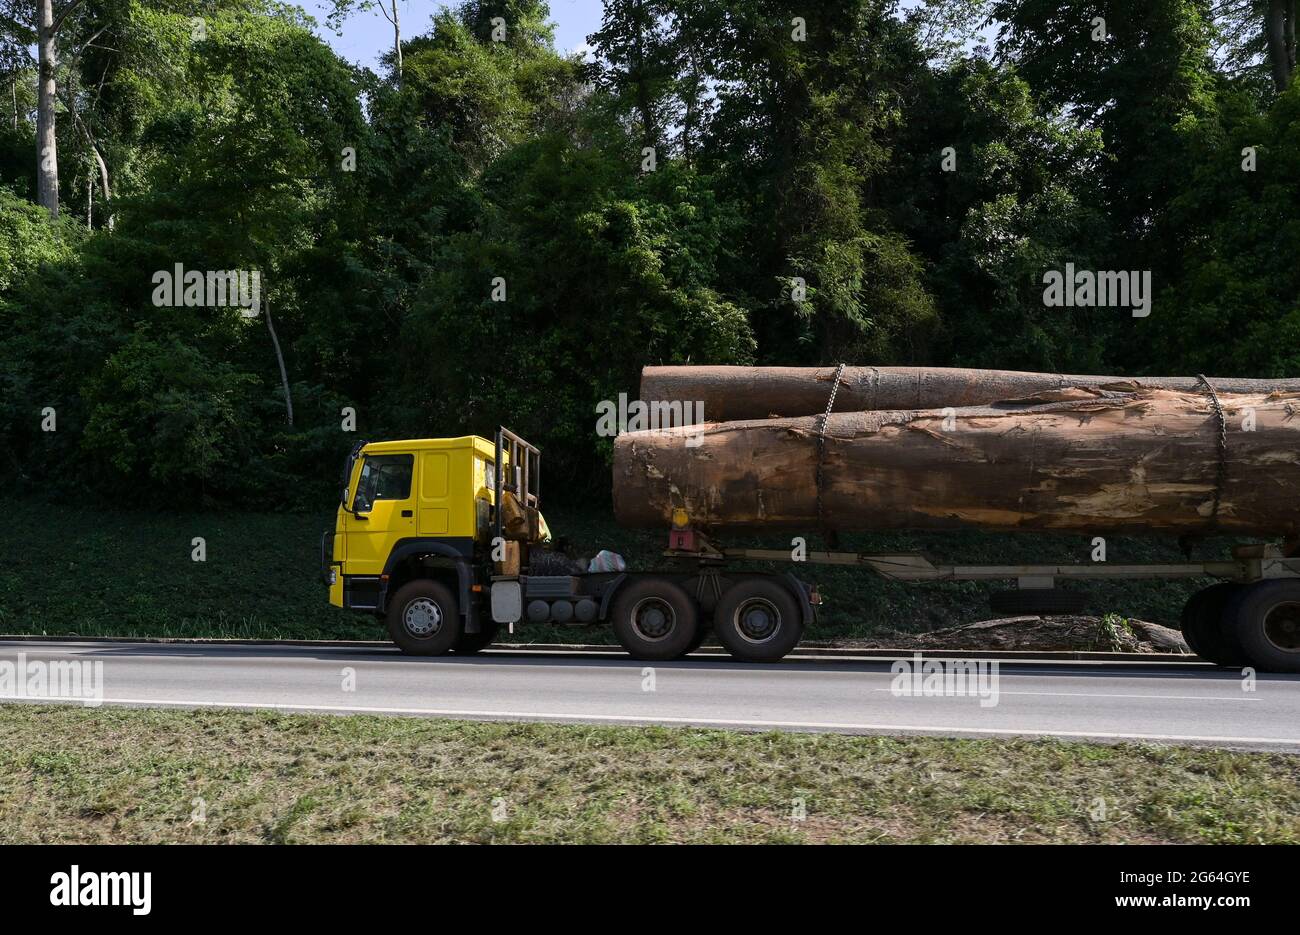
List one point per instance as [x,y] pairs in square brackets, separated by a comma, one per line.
[366,36]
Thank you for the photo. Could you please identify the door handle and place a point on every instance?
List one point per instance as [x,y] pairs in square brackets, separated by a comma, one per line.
[406,513]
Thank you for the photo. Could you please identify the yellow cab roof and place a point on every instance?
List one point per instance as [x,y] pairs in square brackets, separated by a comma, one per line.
[484,447]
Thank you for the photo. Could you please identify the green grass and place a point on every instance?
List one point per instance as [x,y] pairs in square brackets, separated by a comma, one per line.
[101,573]
[71,774]
[70,571]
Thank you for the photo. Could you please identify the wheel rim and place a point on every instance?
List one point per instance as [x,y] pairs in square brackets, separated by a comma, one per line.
[1282,627]
[653,619]
[422,618]
[757,620]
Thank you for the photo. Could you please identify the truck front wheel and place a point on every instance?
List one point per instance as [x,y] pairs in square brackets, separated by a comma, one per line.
[758,621]
[470,643]
[655,619]
[423,618]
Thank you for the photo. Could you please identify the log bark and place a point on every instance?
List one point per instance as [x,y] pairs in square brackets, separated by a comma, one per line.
[1142,461]
[737,393]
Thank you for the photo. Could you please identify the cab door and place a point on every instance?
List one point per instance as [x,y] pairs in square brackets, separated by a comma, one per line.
[383,511]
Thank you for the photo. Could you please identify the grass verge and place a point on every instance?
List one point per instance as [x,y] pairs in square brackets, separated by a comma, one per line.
[70,774]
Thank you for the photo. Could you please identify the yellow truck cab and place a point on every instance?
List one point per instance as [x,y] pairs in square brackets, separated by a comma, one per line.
[443,539]
[420,515]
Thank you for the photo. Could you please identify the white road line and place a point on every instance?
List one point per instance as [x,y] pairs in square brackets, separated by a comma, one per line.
[394,660]
[688,721]
[1083,695]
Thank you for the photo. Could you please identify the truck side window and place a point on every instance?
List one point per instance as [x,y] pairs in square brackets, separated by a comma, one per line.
[384,477]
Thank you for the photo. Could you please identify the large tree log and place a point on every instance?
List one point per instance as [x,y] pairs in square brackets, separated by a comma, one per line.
[1141,461]
[736,393]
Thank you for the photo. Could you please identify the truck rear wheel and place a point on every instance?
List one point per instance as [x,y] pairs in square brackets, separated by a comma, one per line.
[701,633]
[758,620]
[1207,627]
[655,619]
[1265,618]
[423,618]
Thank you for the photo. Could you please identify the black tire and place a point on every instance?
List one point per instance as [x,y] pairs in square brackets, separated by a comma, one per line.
[1038,602]
[1265,618]
[758,620]
[419,604]
[655,619]
[701,632]
[467,644]
[1206,627]
[1192,621]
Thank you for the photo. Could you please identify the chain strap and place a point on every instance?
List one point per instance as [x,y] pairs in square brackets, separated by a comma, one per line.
[821,447]
[1221,472]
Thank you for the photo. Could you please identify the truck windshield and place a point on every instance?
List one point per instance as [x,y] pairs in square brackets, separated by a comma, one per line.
[383,477]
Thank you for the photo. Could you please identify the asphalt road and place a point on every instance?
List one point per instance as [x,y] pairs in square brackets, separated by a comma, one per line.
[1177,703]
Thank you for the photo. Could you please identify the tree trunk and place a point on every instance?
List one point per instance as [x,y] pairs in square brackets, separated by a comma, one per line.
[397,42]
[644,106]
[279,357]
[47,154]
[1279,35]
[732,393]
[1292,9]
[1145,461]
[103,181]
[100,163]
[103,175]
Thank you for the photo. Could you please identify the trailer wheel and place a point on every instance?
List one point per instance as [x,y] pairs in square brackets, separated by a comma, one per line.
[1265,618]
[655,619]
[423,618]
[758,620]
[467,644]
[1206,625]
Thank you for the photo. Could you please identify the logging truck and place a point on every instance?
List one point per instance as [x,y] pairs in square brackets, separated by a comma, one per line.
[443,539]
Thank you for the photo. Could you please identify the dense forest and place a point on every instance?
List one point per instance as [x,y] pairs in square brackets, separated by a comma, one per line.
[490,231]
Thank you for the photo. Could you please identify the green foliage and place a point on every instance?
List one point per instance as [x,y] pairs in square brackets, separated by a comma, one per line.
[801,137]
[1138,85]
[1004,199]
[29,240]
[792,146]
[1235,305]
[601,273]
[1114,633]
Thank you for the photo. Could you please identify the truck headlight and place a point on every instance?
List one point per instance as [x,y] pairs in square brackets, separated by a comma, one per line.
[334,576]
